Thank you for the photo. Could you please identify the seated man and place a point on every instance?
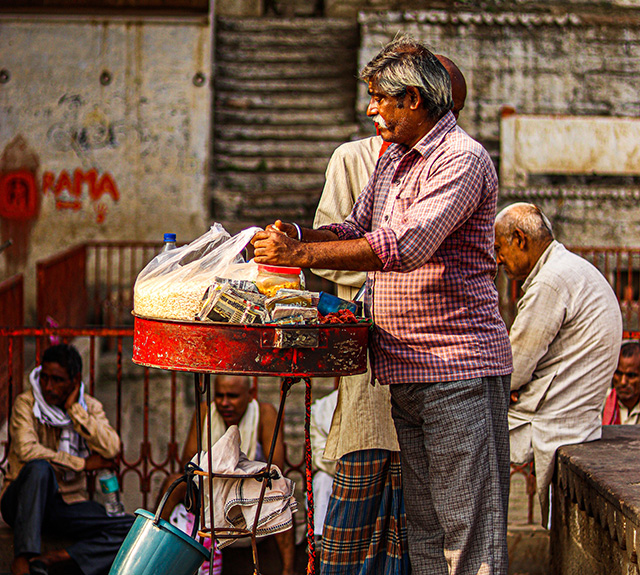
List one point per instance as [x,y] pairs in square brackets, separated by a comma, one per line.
[58,433]
[565,338]
[234,405]
[622,406]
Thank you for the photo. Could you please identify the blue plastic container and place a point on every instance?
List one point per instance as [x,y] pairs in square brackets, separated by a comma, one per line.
[157,548]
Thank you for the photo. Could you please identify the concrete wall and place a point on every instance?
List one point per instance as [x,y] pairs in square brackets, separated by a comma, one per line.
[104,132]
[573,62]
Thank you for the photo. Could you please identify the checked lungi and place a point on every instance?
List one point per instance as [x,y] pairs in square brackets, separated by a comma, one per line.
[365,530]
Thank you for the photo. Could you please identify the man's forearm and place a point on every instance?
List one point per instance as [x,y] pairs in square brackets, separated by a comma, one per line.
[355,255]
[311,236]
[276,248]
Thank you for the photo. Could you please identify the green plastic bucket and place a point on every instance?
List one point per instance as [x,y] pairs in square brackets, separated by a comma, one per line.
[155,547]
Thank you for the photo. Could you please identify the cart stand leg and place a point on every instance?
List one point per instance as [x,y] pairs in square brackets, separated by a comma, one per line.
[311,564]
[287,382]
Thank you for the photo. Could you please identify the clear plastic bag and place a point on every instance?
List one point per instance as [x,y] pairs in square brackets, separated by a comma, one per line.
[173,283]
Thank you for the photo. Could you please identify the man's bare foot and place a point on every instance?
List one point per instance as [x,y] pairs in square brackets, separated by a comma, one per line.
[20,566]
[52,557]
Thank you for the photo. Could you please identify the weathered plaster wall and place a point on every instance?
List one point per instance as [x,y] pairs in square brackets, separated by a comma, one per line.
[572,62]
[104,132]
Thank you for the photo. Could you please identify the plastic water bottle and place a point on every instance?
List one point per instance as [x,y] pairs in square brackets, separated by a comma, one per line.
[169,242]
[111,490]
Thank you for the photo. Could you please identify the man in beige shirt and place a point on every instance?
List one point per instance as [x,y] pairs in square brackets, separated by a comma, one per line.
[58,433]
[372,537]
[565,341]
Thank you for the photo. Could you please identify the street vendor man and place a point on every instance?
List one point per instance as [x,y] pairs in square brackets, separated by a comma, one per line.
[58,434]
[423,229]
[362,437]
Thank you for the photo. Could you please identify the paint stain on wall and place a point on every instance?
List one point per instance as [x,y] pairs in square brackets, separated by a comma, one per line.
[19,199]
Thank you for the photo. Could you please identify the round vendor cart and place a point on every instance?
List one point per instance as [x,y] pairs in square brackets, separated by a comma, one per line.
[291,352]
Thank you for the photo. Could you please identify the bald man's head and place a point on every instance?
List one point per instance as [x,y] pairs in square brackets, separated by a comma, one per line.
[458,84]
[522,233]
[232,395]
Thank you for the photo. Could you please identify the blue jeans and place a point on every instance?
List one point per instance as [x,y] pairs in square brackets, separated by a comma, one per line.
[32,505]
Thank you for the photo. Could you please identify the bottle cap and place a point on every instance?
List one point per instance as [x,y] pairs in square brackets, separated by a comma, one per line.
[109,483]
[169,237]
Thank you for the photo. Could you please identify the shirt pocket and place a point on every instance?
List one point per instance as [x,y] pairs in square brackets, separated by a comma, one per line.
[402,204]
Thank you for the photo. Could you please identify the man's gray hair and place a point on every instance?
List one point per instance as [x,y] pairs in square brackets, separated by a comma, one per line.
[526,217]
[406,62]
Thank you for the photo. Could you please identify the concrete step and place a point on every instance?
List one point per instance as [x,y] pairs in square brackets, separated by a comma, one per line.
[300,32]
[298,133]
[317,118]
[265,208]
[258,183]
[275,148]
[317,71]
[275,85]
[268,164]
[341,101]
[268,54]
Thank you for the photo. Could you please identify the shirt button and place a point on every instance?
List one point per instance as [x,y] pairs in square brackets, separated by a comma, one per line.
[369,291]
[386,218]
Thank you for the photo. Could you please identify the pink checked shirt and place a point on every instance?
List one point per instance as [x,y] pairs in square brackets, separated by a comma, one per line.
[428,213]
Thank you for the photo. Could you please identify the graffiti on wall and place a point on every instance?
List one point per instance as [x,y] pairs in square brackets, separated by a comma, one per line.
[19,192]
[69,190]
[18,195]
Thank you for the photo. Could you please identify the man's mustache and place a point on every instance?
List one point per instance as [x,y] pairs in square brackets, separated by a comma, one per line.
[379,120]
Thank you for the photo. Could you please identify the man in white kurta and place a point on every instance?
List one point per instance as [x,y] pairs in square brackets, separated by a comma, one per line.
[565,340]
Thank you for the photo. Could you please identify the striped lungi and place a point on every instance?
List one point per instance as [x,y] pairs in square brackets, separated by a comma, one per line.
[365,530]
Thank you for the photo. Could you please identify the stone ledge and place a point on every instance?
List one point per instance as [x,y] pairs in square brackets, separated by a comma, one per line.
[600,479]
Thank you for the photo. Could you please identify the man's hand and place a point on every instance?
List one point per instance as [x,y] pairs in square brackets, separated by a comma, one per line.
[320,249]
[72,397]
[95,461]
[275,247]
[515,396]
[287,229]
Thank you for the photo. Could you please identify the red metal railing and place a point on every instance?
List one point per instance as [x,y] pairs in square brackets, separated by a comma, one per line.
[101,277]
[115,382]
[11,314]
[112,268]
[61,289]
[91,284]
[621,267]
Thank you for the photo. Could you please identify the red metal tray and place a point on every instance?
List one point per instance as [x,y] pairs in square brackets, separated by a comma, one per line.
[325,350]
